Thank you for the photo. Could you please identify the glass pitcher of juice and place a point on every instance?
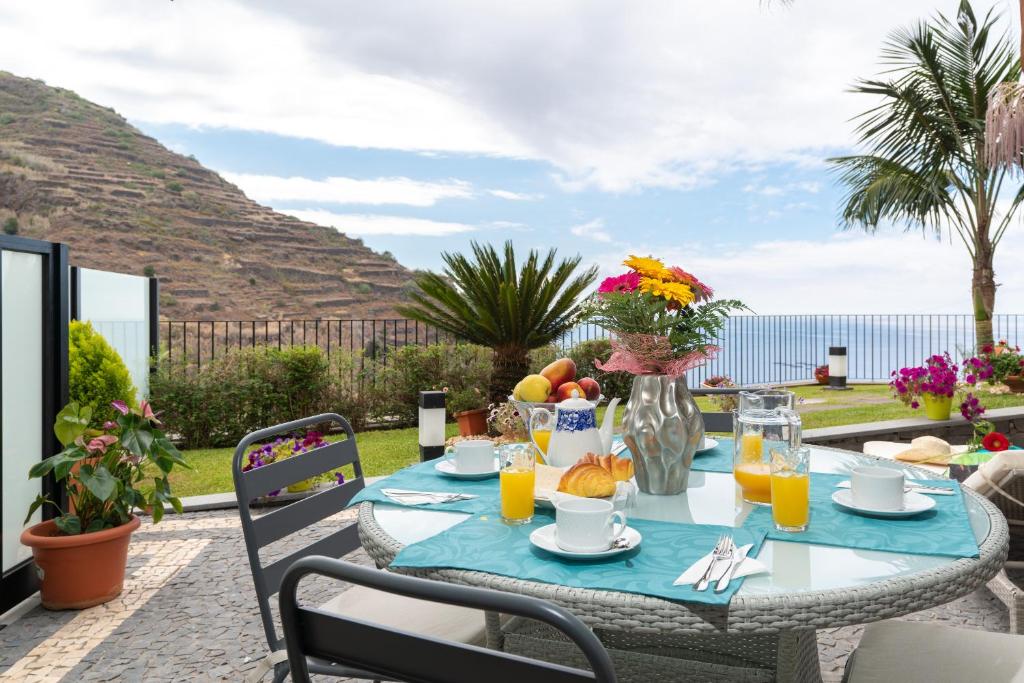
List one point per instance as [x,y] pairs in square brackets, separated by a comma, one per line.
[765,422]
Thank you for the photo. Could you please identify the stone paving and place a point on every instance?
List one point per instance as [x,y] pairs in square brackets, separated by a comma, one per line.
[188,613]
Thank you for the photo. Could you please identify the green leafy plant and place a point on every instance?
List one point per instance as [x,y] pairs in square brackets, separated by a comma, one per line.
[508,307]
[102,468]
[612,383]
[925,165]
[97,377]
[461,400]
[11,226]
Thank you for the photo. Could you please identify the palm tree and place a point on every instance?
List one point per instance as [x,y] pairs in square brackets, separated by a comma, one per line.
[491,302]
[926,166]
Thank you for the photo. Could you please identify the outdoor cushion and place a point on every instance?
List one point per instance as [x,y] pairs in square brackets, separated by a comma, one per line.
[912,652]
[994,471]
[457,624]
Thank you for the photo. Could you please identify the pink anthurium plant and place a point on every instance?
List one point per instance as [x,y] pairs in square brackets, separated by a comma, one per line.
[103,469]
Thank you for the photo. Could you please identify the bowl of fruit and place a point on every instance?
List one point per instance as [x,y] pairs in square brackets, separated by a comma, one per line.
[555,383]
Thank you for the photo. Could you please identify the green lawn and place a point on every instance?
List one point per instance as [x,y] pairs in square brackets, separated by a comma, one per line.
[385,451]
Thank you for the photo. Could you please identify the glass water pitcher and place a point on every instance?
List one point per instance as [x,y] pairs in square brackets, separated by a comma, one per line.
[765,421]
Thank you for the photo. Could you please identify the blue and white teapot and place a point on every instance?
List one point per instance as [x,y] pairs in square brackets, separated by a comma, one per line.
[575,432]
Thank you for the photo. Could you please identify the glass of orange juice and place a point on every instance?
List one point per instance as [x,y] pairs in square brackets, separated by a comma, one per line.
[517,482]
[750,469]
[791,488]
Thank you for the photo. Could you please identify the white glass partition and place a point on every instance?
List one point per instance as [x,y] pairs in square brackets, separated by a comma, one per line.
[21,392]
[117,305]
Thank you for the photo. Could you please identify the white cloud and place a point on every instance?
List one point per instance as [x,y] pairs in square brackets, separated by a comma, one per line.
[592,229]
[375,224]
[614,95]
[515,196]
[849,273]
[811,187]
[266,188]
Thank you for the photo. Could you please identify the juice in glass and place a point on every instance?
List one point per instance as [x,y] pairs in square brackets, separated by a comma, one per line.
[517,483]
[791,489]
[751,472]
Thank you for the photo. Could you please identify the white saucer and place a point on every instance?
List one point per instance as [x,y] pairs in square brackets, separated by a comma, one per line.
[446,466]
[544,538]
[709,443]
[913,504]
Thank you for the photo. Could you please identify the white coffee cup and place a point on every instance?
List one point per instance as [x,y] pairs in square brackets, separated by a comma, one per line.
[474,456]
[877,488]
[587,525]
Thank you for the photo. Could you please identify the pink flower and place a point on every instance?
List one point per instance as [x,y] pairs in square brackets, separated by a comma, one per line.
[100,443]
[627,282]
[147,411]
[120,406]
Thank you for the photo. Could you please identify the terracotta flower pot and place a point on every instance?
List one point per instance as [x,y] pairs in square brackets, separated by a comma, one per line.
[1015,382]
[472,422]
[82,570]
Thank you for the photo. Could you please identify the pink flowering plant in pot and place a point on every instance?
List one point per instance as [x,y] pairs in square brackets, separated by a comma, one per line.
[937,382]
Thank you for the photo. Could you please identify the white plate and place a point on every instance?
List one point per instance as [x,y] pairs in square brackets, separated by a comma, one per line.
[913,504]
[544,538]
[709,443]
[446,466]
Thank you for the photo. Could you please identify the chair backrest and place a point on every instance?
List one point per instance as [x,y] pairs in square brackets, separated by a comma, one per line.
[287,519]
[403,656]
[717,421]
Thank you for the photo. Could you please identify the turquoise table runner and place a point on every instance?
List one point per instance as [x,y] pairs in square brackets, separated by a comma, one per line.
[943,530]
[718,459]
[423,477]
[484,543]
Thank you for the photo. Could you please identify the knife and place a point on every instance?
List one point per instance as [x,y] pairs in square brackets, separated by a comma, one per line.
[737,558]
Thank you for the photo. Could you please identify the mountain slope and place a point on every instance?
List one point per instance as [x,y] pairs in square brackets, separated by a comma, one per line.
[75,172]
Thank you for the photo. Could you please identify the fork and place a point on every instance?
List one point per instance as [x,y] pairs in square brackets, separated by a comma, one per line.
[717,555]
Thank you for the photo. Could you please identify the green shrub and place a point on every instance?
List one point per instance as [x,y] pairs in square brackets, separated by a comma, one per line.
[612,383]
[412,369]
[543,356]
[149,271]
[96,374]
[175,186]
[11,226]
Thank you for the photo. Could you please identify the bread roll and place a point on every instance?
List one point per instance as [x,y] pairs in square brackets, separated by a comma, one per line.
[587,480]
[621,469]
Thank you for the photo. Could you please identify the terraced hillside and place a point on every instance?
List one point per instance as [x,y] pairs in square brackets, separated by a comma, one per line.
[78,173]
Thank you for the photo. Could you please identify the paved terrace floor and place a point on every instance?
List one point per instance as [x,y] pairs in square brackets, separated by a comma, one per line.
[188,613]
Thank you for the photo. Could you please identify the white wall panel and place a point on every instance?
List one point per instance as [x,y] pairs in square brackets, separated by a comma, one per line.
[117,306]
[21,392]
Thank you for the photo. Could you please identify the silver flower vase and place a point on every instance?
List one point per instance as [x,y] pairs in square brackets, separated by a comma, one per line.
[663,428]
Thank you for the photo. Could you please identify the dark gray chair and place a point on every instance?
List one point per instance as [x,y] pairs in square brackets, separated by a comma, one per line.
[717,421]
[398,655]
[287,519]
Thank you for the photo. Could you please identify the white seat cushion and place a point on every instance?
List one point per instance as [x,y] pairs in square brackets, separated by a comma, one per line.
[458,624]
[912,652]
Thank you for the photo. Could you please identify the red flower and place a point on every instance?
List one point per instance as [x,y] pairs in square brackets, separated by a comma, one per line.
[994,441]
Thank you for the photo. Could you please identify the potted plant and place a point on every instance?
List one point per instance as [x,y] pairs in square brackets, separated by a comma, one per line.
[936,382]
[469,408]
[1007,364]
[282,448]
[821,374]
[725,402]
[82,553]
[664,322]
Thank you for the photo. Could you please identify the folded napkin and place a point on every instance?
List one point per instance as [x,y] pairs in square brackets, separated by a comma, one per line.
[407,497]
[749,566]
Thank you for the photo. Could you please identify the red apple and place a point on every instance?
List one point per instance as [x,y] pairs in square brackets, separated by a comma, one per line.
[553,398]
[591,388]
[566,391]
[559,372]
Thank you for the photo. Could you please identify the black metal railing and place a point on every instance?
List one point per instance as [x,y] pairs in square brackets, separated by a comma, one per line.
[754,349]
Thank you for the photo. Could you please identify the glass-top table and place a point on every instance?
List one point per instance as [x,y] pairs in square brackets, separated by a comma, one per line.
[808,586]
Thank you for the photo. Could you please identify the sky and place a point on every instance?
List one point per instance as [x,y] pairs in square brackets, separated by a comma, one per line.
[692,131]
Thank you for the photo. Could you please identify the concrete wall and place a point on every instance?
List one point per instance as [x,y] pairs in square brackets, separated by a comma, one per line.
[1009,421]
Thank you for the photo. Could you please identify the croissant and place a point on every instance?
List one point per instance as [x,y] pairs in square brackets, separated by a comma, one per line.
[587,480]
[621,469]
